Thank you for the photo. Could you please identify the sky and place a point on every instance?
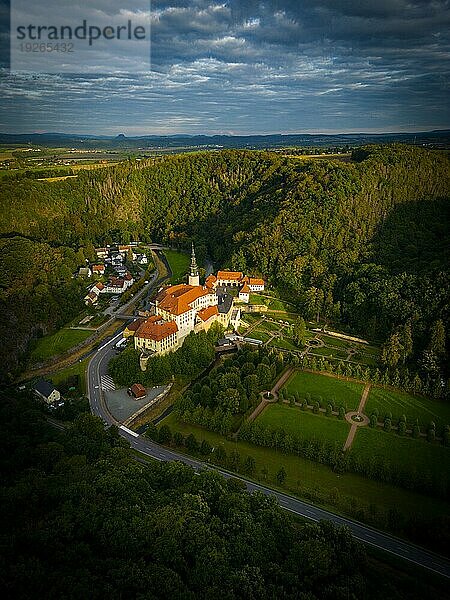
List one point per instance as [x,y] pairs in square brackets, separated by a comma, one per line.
[244,67]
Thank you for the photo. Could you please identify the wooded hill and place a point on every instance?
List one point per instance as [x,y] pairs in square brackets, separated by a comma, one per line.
[81,518]
[362,243]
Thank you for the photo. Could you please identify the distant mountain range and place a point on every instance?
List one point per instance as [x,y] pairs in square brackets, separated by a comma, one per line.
[154,142]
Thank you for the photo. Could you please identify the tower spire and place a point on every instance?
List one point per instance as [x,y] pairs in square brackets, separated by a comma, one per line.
[194,267]
[194,278]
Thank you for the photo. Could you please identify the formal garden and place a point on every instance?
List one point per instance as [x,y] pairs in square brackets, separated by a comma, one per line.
[295,438]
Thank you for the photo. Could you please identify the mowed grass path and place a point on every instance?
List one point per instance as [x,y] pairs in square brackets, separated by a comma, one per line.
[305,475]
[414,407]
[58,343]
[296,421]
[179,263]
[403,453]
[346,393]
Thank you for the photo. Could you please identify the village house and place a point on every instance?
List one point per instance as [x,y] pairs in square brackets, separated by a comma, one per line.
[98,269]
[102,252]
[46,391]
[84,272]
[137,390]
[244,293]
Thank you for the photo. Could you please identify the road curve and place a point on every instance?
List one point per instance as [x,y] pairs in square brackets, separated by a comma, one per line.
[98,366]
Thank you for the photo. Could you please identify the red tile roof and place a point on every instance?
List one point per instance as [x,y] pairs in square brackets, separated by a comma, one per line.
[134,326]
[128,277]
[155,328]
[210,281]
[253,281]
[245,289]
[116,282]
[99,285]
[177,299]
[208,312]
[235,275]
[98,267]
[138,390]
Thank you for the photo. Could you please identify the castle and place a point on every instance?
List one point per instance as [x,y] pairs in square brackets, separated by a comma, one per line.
[183,308]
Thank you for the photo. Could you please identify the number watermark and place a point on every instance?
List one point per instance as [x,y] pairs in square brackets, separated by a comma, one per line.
[73,37]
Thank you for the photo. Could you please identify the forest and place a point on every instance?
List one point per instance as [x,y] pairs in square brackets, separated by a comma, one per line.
[82,518]
[362,244]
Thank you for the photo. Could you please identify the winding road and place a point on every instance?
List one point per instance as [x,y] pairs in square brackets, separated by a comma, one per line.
[98,366]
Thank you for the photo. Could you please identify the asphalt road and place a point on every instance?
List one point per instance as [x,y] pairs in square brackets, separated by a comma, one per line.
[419,556]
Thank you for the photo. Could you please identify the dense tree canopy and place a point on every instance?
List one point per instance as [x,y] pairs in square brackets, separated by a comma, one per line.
[80,518]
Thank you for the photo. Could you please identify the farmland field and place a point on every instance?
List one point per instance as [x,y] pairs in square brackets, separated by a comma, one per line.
[347,393]
[296,421]
[59,342]
[414,407]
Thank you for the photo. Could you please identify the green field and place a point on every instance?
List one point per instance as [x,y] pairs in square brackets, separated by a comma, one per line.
[296,421]
[305,477]
[324,351]
[283,343]
[58,343]
[269,326]
[258,299]
[346,393]
[258,335]
[332,341]
[403,453]
[414,407]
[179,264]
[365,359]
[276,304]
[79,368]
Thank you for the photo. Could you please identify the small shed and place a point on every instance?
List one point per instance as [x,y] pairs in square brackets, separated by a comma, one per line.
[138,391]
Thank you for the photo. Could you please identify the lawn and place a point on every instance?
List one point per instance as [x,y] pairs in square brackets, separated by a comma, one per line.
[324,351]
[276,304]
[296,421]
[269,326]
[347,393]
[179,264]
[332,341]
[403,453]
[307,478]
[79,368]
[414,407]
[258,335]
[257,299]
[58,343]
[283,343]
[365,359]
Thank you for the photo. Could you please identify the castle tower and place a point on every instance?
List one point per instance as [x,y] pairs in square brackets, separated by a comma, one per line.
[194,279]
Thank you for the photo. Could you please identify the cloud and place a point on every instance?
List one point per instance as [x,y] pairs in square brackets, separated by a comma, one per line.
[254,66]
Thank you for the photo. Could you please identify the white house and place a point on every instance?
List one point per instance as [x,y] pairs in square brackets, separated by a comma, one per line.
[84,272]
[45,390]
[244,293]
[256,285]
[115,285]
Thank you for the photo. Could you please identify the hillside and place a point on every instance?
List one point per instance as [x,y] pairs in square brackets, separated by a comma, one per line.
[362,243]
